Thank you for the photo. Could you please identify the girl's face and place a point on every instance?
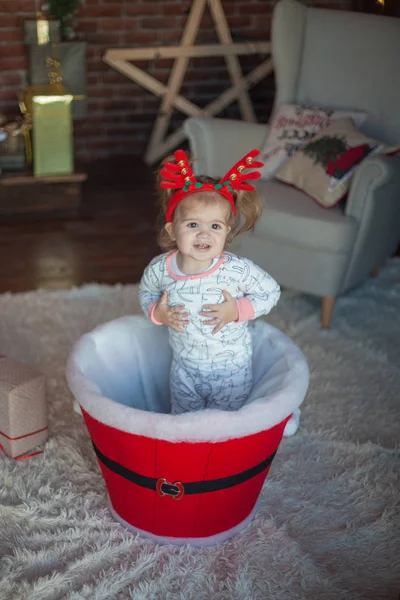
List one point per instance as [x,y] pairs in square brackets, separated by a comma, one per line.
[200,228]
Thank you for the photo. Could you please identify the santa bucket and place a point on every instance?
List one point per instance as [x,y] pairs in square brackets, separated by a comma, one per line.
[192,478]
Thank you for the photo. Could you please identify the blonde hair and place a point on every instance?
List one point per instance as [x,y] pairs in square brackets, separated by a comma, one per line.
[248,207]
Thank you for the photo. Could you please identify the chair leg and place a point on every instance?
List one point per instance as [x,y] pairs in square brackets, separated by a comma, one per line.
[375,272]
[328,302]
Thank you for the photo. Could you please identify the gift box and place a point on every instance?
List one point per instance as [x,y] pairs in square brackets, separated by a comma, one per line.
[23,410]
[41,30]
[53,152]
[67,58]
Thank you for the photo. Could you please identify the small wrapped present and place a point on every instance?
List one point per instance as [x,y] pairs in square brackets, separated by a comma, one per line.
[23,410]
[41,30]
[52,129]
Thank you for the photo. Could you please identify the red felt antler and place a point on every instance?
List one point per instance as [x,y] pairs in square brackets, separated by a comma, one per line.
[180,172]
[235,175]
[179,176]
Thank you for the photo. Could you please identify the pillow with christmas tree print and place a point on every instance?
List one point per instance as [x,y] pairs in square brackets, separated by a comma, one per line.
[294,125]
[323,167]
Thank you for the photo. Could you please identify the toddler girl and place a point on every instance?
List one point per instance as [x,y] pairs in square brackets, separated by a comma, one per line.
[205,295]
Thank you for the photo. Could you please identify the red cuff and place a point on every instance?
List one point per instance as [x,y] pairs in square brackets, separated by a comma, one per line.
[245,309]
[151,313]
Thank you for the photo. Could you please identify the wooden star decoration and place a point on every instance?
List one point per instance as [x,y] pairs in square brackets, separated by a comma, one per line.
[120,58]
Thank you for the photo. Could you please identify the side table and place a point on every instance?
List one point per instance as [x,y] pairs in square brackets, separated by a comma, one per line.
[24,194]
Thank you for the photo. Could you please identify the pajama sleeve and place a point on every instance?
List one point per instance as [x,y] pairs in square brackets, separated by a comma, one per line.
[150,288]
[261,292]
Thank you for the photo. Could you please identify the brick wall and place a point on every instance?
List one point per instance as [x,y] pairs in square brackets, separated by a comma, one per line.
[121,113]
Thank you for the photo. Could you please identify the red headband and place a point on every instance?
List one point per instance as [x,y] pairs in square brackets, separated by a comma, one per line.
[185,182]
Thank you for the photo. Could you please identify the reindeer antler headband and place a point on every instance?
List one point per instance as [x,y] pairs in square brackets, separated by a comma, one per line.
[180,176]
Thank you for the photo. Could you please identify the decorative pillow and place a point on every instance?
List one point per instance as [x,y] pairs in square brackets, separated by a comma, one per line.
[323,167]
[294,125]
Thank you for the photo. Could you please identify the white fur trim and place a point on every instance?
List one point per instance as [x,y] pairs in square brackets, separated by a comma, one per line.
[293,424]
[119,374]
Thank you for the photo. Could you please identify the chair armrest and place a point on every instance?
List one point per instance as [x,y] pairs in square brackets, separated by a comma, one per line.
[370,176]
[374,201]
[217,144]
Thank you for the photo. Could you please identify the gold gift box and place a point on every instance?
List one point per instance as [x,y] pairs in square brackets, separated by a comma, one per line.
[52,130]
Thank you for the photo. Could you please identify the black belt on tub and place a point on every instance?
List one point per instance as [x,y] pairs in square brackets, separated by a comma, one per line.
[177,489]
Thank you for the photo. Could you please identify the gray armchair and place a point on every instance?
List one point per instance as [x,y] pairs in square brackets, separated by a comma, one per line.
[335,59]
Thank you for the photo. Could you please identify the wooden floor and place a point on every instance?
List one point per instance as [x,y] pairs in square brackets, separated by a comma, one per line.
[110,242]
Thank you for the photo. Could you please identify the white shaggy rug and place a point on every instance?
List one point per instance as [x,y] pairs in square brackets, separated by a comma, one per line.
[327,527]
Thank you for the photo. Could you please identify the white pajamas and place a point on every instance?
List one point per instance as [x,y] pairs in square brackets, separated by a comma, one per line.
[210,371]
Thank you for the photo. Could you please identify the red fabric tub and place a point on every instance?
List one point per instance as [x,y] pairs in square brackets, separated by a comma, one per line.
[192,478]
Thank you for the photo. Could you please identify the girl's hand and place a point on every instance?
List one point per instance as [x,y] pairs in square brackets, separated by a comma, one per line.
[221,314]
[171,316]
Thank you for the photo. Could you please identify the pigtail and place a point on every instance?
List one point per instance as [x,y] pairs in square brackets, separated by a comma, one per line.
[248,210]
[163,239]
